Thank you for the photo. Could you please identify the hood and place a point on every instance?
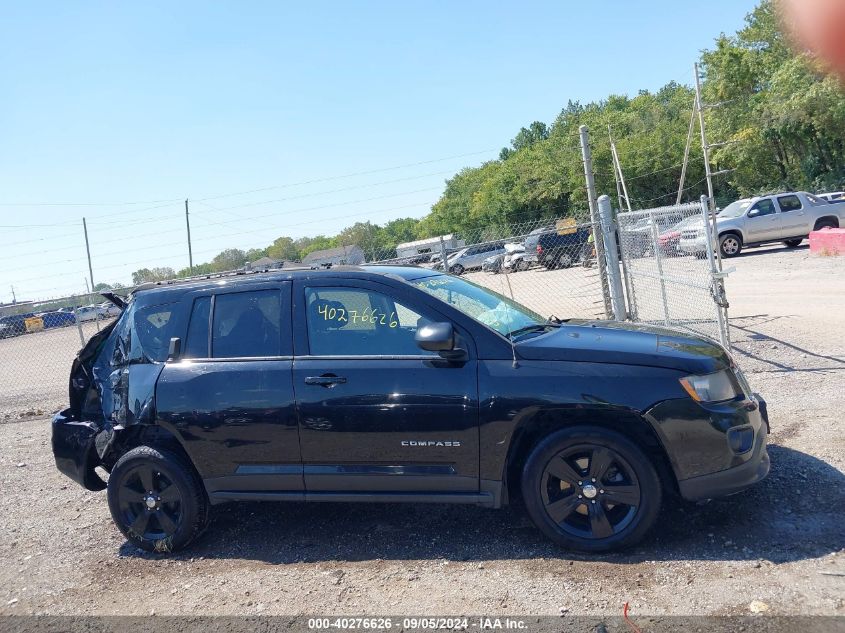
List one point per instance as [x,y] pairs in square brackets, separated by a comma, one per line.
[626,344]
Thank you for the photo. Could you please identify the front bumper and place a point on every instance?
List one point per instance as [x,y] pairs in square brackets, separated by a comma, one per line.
[715,450]
[74,450]
[693,246]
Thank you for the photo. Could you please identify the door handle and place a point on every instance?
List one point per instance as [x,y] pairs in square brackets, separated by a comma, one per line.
[327,380]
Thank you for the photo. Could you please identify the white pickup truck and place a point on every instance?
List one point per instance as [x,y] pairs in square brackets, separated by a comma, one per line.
[782,217]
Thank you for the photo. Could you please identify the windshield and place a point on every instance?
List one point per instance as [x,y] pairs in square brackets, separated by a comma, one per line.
[735,209]
[485,306]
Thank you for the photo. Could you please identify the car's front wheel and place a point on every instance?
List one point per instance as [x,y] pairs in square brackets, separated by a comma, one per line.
[793,243]
[730,245]
[157,499]
[457,269]
[591,489]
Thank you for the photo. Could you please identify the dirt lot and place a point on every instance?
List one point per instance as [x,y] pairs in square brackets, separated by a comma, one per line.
[780,544]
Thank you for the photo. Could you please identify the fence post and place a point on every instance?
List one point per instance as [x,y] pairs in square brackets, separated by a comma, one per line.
[443,255]
[79,327]
[655,246]
[716,279]
[614,274]
[591,198]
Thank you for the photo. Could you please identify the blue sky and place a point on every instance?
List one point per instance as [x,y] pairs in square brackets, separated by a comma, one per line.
[118,111]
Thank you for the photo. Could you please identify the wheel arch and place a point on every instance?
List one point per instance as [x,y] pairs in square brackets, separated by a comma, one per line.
[826,218]
[152,435]
[733,231]
[624,421]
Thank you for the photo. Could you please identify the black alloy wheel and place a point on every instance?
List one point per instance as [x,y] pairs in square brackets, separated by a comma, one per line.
[150,504]
[157,499]
[591,489]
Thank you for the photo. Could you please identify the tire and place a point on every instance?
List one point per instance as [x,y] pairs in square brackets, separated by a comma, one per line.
[563,260]
[457,269]
[550,489]
[730,245]
[180,510]
[700,255]
[522,265]
[793,243]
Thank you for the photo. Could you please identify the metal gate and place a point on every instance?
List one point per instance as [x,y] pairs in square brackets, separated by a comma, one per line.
[672,273]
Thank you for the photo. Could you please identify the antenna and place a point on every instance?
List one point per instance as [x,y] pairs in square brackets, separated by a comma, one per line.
[510,294]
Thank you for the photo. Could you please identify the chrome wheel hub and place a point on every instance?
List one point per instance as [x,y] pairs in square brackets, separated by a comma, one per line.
[589,491]
[150,501]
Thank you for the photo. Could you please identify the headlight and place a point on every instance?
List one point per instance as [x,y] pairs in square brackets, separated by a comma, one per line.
[715,387]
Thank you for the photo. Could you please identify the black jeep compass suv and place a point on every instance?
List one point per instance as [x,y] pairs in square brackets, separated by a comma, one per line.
[382,383]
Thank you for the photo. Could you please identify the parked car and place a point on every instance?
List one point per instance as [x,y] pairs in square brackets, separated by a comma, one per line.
[562,251]
[668,241]
[833,196]
[96,312]
[639,238]
[514,258]
[472,257]
[108,309]
[14,325]
[493,264]
[783,217]
[531,243]
[378,383]
[57,318]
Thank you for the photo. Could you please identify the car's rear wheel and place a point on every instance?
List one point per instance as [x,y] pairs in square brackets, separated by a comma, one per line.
[730,245]
[591,489]
[457,269]
[793,243]
[564,260]
[157,499]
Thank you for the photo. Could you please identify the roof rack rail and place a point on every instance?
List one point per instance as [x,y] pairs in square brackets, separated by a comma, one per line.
[221,275]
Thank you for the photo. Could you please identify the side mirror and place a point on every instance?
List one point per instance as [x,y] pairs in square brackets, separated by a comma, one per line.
[174,351]
[441,338]
[753,213]
[436,337]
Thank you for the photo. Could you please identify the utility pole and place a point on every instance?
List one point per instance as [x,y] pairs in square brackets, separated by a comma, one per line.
[88,251]
[188,224]
[617,171]
[14,299]
[704,146]
[689,142]
[587,157]
[706,149]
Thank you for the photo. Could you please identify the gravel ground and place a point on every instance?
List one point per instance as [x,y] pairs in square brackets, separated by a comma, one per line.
[776,548]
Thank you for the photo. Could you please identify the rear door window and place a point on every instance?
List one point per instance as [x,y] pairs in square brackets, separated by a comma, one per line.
[247,325]
[789,203]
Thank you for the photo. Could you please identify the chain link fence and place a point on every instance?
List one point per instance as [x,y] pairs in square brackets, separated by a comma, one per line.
[670,274]
[38,342]
[548,265]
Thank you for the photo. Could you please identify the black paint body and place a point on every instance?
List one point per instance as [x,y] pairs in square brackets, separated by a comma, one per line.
[415,427]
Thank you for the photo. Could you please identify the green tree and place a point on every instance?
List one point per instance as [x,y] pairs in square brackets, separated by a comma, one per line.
[230,259]
[283,248]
